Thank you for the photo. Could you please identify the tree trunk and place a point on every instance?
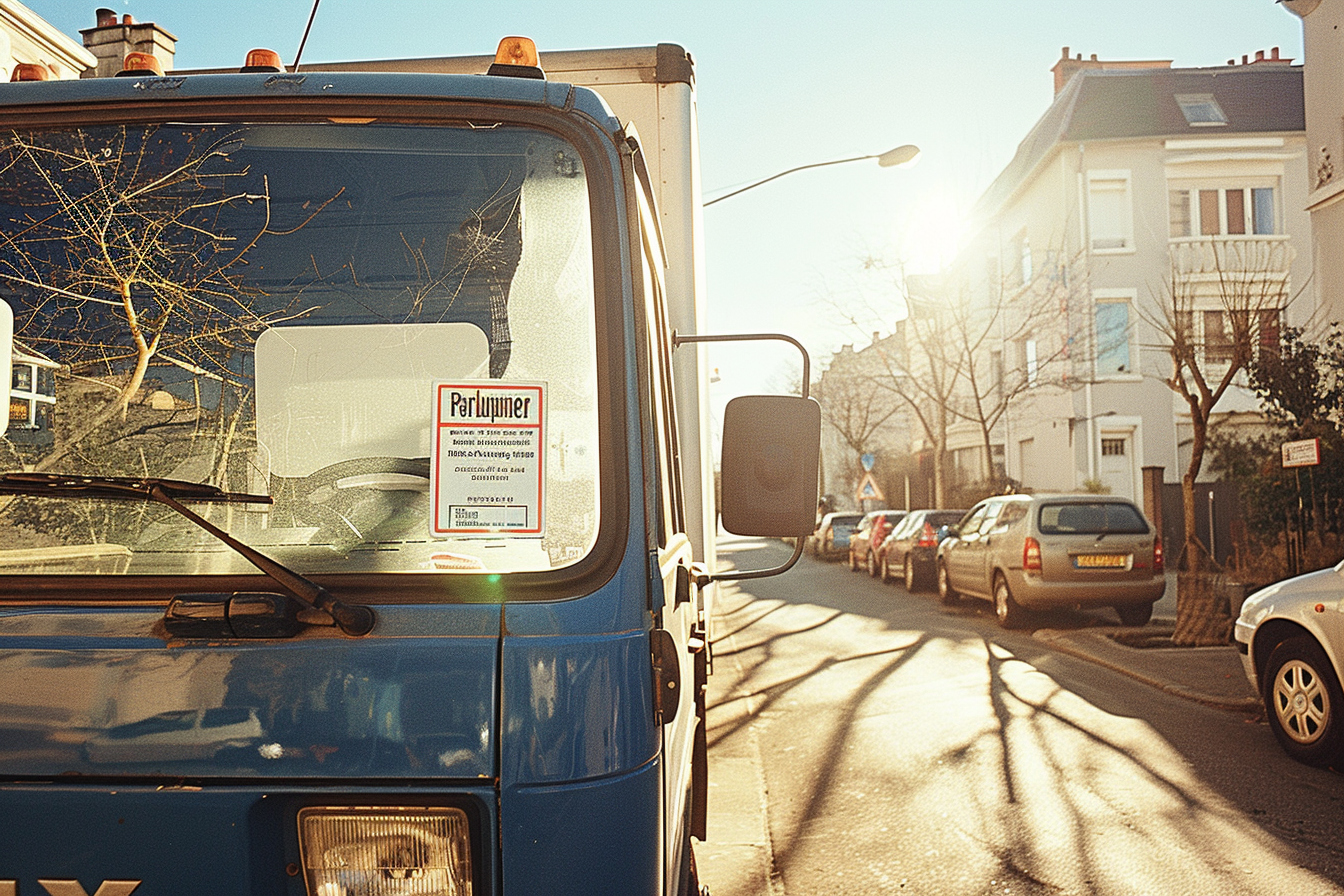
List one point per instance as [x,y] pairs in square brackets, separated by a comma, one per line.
[1202,617]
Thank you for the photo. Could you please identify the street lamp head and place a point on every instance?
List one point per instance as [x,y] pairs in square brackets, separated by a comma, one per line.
[901,155]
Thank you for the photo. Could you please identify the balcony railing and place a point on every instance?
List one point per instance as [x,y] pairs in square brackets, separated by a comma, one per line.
[1212,257]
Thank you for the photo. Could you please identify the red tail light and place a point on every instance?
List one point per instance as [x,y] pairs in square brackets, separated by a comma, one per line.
[927,537]
[1031,555]
[1159,564]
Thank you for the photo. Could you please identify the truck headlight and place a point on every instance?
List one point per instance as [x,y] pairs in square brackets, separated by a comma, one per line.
[357,851]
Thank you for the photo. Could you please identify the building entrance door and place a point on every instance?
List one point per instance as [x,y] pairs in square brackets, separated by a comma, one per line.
[1117,470]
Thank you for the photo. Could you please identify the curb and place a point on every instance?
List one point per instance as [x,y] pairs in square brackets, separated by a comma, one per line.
[1076,643]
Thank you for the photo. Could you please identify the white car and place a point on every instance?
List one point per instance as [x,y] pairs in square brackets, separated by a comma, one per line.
[1291,638]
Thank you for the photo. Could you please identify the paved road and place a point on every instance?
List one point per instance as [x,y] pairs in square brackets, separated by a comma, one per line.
[863,740]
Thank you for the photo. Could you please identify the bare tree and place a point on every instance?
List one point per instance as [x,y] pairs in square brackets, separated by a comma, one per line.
[1222,302]
[853,407]
[944,369]
[983,331]
[122,258]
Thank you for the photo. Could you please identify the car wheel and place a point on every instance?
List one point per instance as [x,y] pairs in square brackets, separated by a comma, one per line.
[1303,702]
[1134,614]
[946,593]
[872,565]
[913,581]
[1009,614]
[886,570]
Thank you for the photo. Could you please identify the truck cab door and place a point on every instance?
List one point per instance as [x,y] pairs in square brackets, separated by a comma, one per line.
[678,638]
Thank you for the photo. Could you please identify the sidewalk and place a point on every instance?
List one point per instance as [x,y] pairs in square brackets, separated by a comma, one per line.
[1212,676]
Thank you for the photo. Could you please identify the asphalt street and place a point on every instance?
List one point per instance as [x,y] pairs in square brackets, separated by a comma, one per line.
[866,740]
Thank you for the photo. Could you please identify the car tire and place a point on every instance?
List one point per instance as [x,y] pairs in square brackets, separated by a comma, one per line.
[947,595]
[1006,609]
[886,570]
[1303,702]
[913,581]
[871,564]
[1134,615]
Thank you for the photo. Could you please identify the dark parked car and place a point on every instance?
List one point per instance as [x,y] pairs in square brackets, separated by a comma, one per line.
[912,547]
[1036,551]
[832,536]
[872,531]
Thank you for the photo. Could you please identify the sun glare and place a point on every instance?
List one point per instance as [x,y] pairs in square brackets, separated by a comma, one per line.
[932,232]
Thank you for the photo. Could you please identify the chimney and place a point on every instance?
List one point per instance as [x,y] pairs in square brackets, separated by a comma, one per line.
[110,40]
[1066,68]
[1261,57]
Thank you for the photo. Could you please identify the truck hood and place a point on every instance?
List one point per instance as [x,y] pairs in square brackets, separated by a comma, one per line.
[97,692]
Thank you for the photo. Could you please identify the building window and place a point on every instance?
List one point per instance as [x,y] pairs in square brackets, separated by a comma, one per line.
[46,381]
[1219,345]
[1030,366]
[1267,335]
[1110,211]
[1215,335]
[1201,110]
[1020,260]
[1223,211]
[1112,447]
[996,371]
[1112,322]
[42,416]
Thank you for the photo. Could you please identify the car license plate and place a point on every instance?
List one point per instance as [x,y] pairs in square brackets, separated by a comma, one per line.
[1101,561]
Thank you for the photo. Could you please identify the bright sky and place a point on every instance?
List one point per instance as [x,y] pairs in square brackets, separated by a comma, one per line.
[784,84]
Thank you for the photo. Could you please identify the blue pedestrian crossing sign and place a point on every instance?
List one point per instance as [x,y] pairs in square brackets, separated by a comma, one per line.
[868,490]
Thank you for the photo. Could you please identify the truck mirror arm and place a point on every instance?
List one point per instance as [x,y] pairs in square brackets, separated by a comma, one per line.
[678,339]
[766,573]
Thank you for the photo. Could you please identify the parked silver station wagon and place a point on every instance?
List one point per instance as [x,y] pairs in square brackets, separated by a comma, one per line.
[1027,552]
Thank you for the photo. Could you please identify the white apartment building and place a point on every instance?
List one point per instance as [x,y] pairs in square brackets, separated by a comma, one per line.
[1323,69]
[1140,180]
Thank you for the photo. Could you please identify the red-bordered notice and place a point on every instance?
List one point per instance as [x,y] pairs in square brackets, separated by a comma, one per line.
[487,465]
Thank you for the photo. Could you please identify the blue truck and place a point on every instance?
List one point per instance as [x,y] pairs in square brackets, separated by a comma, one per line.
[365,541]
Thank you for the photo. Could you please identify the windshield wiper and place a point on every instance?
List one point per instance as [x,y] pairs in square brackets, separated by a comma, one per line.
[350,619]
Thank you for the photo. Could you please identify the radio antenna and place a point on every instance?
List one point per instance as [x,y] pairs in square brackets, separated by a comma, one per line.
[299,55]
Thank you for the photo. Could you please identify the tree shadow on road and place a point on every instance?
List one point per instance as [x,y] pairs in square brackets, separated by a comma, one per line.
[1060,787]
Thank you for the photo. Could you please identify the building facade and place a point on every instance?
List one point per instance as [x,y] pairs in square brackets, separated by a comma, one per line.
[1323,69]
[866,429]
[1148,201]
[28,38]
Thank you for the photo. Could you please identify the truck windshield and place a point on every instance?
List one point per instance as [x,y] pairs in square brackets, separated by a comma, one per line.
[388,329]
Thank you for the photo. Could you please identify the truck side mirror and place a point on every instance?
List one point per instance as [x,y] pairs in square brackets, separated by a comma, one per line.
[771,446]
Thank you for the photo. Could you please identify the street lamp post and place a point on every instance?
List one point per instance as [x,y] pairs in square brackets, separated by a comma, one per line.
[901,155]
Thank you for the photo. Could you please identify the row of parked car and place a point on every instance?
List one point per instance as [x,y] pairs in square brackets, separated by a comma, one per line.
[1020,552]
[1024,552]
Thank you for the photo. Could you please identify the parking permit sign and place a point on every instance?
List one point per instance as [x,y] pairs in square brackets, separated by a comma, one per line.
[1303,453]
[486,470]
